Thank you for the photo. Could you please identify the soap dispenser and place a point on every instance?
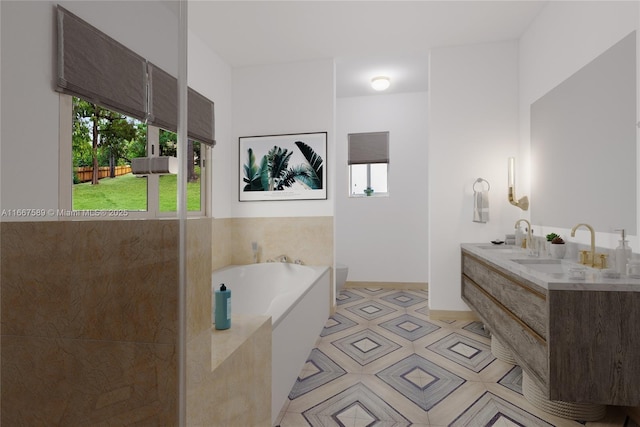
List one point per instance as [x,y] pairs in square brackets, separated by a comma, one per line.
[519,237]
[223,307]
[623,253]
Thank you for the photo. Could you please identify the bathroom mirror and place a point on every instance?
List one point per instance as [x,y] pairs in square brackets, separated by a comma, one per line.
[583,146]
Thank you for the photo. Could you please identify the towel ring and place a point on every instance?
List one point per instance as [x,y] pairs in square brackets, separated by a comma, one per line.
[481,180]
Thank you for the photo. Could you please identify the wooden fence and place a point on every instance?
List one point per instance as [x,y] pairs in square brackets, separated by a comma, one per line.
[84,173]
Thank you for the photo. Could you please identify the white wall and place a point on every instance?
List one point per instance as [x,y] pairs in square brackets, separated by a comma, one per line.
[384,239]
[283,99]
[473,129]
[29,127]
[564,38]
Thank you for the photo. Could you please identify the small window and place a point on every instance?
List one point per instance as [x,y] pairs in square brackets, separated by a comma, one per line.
[368,164]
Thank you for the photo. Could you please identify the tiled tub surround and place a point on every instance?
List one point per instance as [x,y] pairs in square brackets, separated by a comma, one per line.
[296,297]
[577,339]
[309,239]
[229,375]
[89,321]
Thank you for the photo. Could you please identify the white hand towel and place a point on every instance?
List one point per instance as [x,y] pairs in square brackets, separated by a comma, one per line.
[481,206]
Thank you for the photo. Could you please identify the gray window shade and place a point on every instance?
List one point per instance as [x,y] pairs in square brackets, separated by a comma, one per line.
[370,147]
[97,68]
[201,118]
[163,99]
[163,107]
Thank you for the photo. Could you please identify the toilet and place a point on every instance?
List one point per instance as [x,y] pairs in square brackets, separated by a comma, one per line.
[341,276]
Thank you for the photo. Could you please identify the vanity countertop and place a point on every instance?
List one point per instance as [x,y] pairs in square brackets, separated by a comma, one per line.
[506,257]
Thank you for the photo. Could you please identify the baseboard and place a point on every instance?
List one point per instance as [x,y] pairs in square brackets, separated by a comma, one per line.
[453,315]
[634,413]
[416,286]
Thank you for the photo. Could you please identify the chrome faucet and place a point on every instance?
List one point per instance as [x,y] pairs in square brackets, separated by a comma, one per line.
[281,258]
[529,239]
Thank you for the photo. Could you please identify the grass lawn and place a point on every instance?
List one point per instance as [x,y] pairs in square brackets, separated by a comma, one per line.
[130,192]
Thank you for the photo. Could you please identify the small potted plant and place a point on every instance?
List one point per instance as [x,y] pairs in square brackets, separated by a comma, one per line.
[551,236]
[547,244]
[557,248]
[368,191]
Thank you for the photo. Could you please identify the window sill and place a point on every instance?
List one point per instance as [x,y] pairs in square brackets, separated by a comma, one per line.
[364,196]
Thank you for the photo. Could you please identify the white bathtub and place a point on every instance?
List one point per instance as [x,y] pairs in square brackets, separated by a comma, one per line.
[297,298]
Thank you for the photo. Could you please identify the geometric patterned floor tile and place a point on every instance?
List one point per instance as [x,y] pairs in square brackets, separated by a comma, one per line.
[355,406]
[464,351]
[477,328]
[403,299]
[409,327]
[413,385]
[346,296]
[370,310]
[336,323]
[372,291]
[491,410]
[513,379]
[423,310]
[421,381]
[365,346]
[318,370]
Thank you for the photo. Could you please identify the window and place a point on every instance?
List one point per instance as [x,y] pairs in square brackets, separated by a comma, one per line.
[102,178]
[368,164]
[116,106]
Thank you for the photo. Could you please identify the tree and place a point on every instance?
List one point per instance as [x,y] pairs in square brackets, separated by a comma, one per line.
[115,131]
[103,137]
[109,130]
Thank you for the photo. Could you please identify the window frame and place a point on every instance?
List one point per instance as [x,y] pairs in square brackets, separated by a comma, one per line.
[375,193]
[65,185]
[368,148]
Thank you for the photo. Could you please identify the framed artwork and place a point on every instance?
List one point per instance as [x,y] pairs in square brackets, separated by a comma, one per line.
[283,167]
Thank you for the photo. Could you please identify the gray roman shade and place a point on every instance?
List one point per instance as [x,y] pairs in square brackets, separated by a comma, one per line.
[201,118]
[163,99]
[369,147]
[97,68]
[163,107]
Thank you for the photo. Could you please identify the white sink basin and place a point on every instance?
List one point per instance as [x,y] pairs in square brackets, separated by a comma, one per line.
[543,265]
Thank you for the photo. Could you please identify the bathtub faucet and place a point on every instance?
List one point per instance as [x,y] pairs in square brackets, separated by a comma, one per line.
[281,258]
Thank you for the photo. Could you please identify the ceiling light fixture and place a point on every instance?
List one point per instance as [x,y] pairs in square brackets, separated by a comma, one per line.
[380,83]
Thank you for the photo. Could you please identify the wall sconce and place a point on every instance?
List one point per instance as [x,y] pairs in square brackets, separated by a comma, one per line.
[523,202]
[380,82]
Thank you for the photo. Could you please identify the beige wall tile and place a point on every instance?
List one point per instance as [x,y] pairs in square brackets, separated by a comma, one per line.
[89,318]
[309,239]
[111,280]
[199,258]
[221,243]
[85,382]
[238,391]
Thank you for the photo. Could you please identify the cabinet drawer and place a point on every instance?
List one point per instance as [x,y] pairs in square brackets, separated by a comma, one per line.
[527,304]
[530,349]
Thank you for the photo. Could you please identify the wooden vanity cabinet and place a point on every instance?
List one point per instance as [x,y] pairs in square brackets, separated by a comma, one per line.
[578,345]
